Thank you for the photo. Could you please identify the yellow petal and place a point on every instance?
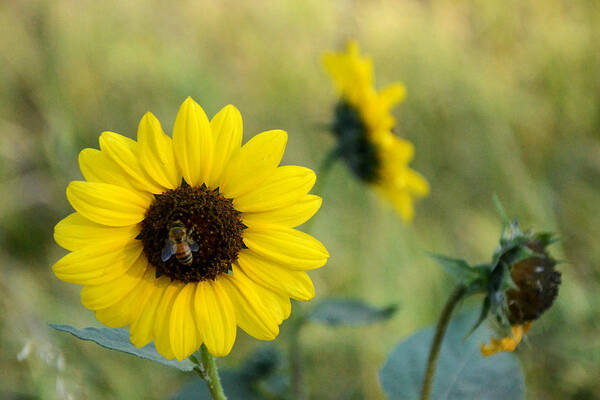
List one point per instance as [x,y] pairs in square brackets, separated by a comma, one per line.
[95,265]
[123,151]
[250,312]
[216,317]
[96,297]
[156,153]
[295,284]
[162,331]
[284,187]
[75,232]
[286,247]
[96,166]
[396,152]
[279,304]
[508,343]
[256,161]
[127,310]
[392,94]
[289,216]
[108,204]
[182,329]
[403,203]
[226,127]
[193,143]
[416,183]
[141,331]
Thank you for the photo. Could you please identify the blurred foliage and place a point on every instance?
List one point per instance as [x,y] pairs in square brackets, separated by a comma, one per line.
[463,373]
[503,97]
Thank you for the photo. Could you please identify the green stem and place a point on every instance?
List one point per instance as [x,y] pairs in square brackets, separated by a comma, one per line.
[322,175]
[440,331]
[324,170]
[207,369]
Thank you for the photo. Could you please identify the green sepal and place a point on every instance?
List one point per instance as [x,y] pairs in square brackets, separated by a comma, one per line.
[546,238]
[517,254]
[461,270]
[485,310]
[510,233]
[507,281]
[501,211]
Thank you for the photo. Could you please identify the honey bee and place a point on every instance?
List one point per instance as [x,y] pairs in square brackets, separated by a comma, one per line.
[180,244]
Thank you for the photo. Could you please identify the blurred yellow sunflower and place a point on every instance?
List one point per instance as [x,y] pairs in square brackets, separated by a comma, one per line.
[363,126]
[185,239]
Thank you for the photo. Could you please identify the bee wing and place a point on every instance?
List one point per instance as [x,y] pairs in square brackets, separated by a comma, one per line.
[167,251]
[193,245]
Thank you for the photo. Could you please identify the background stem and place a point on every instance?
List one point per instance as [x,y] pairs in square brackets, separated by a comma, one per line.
[436,344]
[295,355]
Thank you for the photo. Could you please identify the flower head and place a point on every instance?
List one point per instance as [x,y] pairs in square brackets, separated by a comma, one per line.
[363,126]
[522,286]
[185,239]
[520,283]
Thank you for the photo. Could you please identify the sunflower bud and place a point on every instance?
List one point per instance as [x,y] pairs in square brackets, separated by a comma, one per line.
[520,283]
[522,286]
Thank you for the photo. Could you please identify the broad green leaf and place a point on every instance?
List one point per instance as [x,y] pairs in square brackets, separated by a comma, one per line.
[338,312]
[118,339]
[462,372]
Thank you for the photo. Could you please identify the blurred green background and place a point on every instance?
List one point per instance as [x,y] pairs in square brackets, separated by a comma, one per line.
[503,97]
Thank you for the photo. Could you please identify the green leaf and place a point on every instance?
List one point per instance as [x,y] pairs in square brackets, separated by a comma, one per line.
[118,339]
[458,268]
[339,312]
[462,372]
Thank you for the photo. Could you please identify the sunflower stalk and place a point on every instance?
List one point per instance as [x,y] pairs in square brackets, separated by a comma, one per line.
[434,351]
[207,370]
[295,356]
[324,169]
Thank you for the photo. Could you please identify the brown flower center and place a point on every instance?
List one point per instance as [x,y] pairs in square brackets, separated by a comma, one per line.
[354,145]
[191,234]
[537,283]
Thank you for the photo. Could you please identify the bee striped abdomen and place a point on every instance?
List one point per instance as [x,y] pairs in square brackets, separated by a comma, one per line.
[183,253]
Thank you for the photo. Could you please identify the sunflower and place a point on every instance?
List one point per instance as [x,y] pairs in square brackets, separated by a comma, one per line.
[185,239]
[363,126]
[530,288]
